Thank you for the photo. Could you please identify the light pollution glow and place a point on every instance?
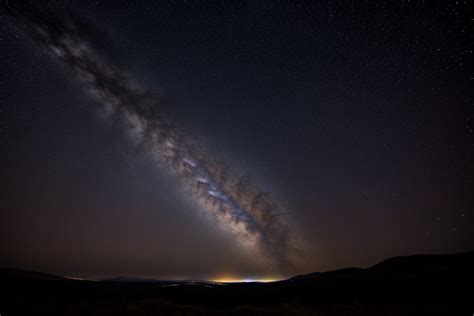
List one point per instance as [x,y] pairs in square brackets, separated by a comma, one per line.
[247,280]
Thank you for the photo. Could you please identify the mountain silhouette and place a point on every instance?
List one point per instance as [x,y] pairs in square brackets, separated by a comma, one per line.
[420,284]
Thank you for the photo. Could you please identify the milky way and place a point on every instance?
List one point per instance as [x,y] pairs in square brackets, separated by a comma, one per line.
[235,203]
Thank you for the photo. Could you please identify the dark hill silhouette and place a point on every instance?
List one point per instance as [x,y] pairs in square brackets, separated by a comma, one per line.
[403,269]
[130,279]
[421,284]
[10,273]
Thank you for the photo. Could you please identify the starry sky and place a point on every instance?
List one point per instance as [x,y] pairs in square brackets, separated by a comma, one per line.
[356,117]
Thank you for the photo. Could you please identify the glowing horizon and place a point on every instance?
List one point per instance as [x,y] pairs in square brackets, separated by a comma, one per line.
[245,280]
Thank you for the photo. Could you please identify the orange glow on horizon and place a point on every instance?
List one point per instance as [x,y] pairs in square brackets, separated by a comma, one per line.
[246,280]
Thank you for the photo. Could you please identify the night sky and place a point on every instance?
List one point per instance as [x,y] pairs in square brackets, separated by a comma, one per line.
[357,118]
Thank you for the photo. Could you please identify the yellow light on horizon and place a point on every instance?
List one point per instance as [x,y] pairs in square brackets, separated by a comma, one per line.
[246,280]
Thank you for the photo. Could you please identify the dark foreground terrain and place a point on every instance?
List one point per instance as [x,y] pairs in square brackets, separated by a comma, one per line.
[415,285]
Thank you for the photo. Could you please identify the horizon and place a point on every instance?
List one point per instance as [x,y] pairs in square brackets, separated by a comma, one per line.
[224,278]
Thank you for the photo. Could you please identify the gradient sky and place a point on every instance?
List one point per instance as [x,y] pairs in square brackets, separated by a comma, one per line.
[357,119]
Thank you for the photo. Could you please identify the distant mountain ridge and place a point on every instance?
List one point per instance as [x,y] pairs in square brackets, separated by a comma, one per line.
[23,274]
[412,285]
[400,267]
[130,279]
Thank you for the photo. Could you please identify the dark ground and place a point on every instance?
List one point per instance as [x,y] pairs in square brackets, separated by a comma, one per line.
[424,284]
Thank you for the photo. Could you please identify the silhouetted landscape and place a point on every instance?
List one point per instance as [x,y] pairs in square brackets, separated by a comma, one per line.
[421,284]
